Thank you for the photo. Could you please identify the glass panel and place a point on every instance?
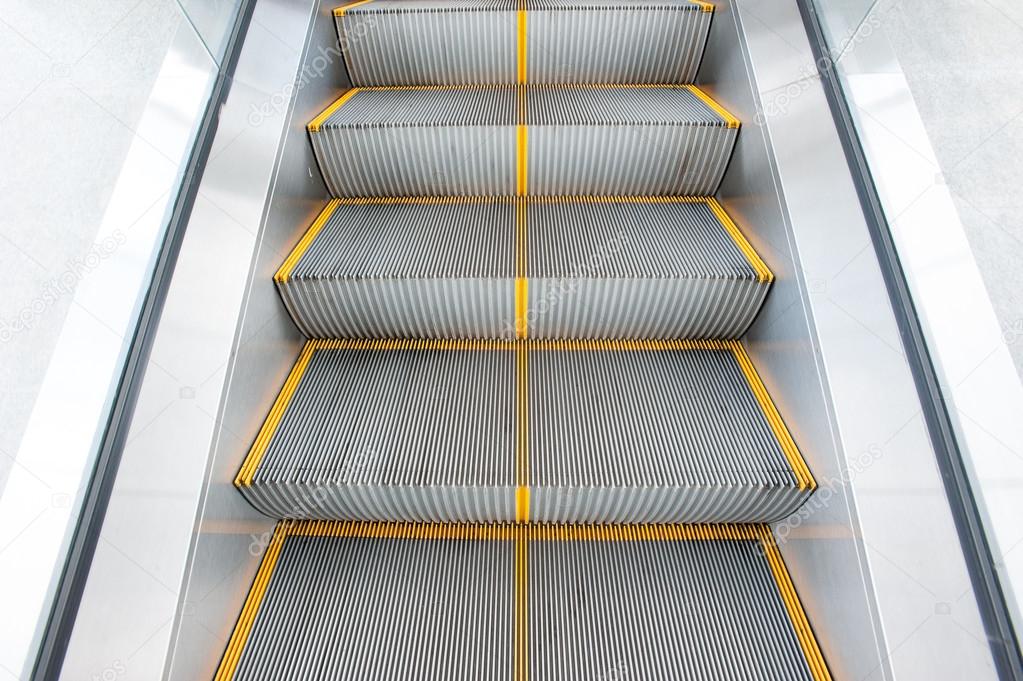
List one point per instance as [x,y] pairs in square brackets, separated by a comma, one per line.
[934,92]
[213,20]
[99,118]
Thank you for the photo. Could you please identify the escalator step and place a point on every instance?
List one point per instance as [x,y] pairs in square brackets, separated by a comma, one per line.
[377,601]
[539,140]
[470,42]
[546,431]
[496,268]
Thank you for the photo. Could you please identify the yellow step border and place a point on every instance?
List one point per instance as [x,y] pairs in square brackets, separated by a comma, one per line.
[522,535]
[782,435]
[341,11]
[284,273]
[247,618]
[280,405]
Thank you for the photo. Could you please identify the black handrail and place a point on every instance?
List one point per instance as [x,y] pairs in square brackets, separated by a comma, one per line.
[994,610]
[75,571]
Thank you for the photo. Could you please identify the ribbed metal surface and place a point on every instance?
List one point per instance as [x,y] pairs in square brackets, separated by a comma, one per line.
[385,602]
[614,435]
[609,268]
[625,141]
[657,610]
[614,41]
[418,435]
[581,140]
[651,437]
[416,269]
[421,143]
[417,42]
[369,608]
[636,269]
[430,42]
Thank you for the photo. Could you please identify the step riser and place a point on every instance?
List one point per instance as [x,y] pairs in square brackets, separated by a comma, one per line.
[556,308]
[435,504]
[642,45]
[562,160]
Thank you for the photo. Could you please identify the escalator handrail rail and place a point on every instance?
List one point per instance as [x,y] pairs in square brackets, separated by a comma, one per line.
[994,610]
[70,585]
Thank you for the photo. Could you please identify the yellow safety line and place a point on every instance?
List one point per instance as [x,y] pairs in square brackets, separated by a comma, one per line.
[316,123]
[284,273]
[705,6]
[521,148]
[521,281]
[807,641]
[240,635]
[731,120]
[522,453]
[522,41]
[259,447]
[781,432]
[340,11]
[521,307]
[764,273]
[521,605]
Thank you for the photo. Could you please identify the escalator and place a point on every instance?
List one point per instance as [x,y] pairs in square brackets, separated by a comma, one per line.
[524,438]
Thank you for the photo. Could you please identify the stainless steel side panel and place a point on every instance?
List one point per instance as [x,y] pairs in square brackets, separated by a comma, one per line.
[163,602]
[874,555]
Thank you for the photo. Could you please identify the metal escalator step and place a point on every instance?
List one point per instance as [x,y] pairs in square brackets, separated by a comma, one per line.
[558,431]
[538,140]
[416,268]
[611,267]
[630,268]
[470,42]
[379,601]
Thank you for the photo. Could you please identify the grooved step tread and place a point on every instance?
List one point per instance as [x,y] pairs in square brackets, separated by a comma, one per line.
[556,431]
[377,601]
